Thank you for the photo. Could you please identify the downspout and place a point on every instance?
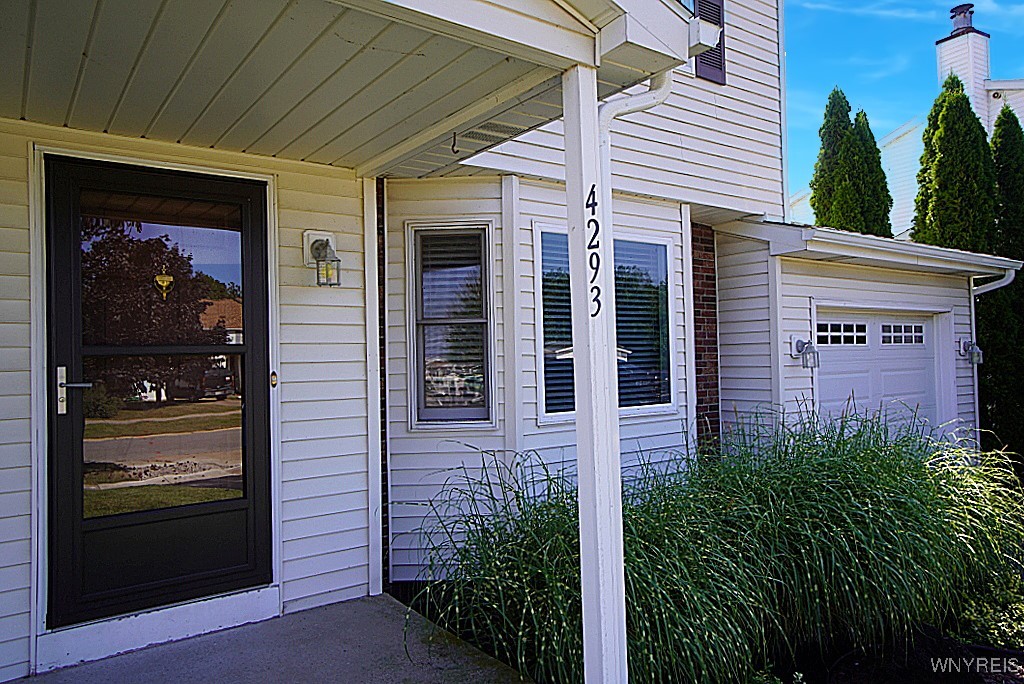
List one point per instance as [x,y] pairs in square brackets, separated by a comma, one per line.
[658,91]
[1007,278]
[977,290]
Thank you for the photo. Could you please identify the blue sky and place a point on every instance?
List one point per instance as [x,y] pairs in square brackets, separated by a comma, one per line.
[217,253]
[882,54]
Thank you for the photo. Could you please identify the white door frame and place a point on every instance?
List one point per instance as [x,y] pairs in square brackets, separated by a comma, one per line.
[51,649]
[945,346]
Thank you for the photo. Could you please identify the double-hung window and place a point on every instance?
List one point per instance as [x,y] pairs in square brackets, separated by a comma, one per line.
[642,323]
[451,325]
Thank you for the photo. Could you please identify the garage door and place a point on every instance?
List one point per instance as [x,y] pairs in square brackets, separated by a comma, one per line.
[879,361]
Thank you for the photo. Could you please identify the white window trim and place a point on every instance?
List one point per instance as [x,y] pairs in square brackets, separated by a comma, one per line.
[412,348]
[667,409]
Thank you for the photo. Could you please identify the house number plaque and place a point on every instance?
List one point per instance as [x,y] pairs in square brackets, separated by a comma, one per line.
[593,251]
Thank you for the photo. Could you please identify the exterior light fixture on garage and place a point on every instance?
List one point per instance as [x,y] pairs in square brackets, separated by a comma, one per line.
[318,252]
[971,350]
[805,351]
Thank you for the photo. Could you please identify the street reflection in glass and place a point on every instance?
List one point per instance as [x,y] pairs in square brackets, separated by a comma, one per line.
[161,431]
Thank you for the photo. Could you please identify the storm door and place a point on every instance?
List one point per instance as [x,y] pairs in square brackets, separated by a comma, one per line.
[157,369]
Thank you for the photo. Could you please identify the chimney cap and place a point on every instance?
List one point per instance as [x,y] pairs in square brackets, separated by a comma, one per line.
[962,18]
[963,22]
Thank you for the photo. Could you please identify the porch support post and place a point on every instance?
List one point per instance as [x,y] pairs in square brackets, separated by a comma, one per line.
[592,287]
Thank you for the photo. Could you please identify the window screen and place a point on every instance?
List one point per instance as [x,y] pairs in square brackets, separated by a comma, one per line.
[642,323]
[451,326]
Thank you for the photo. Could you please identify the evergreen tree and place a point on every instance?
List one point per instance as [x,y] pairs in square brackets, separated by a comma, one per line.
[834,128]
[874,197]
[959,182]
[846,210]
[1001,313]
[953,84]
[1008,158]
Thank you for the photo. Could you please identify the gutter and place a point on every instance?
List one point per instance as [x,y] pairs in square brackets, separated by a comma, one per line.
[1007,278]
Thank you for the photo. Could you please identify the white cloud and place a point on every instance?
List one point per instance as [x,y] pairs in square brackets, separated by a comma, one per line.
[999,16]
[878,68]
[885,9]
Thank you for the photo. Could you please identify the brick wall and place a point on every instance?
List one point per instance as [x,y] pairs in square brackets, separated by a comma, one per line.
[705,318]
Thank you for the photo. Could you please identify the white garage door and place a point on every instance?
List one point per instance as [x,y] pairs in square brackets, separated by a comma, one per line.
[878,361]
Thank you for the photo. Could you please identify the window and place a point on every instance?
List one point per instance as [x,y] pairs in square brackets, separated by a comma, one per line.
[902,333]
[642,323]
[451,326]
[842,334]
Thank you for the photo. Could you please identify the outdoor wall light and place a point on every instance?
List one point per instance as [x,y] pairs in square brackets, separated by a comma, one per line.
[318,252]
[328,265]
[805,351]
[973,353]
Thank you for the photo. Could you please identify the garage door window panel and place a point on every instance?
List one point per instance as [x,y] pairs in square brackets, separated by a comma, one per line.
[902,333]
[842,333]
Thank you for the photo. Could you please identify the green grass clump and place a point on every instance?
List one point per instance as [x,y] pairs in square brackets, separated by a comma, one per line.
[100,502]
[808,535]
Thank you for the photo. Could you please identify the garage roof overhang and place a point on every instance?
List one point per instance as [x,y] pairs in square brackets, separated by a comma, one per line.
[837,246]
[379,86]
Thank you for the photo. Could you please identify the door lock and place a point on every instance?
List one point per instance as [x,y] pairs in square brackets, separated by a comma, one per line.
[62,389]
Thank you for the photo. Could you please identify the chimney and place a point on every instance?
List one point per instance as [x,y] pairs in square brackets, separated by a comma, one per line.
[965,52]
[963,19]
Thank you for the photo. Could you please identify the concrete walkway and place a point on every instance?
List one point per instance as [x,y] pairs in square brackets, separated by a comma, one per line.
[351,643]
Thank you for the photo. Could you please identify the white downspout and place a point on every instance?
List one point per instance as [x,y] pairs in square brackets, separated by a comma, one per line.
[658,91]
[1007,278]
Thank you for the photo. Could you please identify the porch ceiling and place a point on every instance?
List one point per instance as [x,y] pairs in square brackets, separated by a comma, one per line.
[309,80]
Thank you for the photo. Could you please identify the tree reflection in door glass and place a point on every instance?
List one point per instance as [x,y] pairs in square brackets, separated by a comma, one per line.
[156,271]
[161,431]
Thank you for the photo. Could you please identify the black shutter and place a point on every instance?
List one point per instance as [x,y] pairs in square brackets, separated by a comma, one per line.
[711,64]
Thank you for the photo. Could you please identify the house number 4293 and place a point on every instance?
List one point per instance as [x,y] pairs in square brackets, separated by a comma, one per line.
[593,251]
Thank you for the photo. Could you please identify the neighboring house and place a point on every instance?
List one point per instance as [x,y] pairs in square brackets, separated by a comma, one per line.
[227,313]
[423,141]
[964,52]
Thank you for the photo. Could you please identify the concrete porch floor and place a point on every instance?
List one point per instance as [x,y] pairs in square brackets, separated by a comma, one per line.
[352,642]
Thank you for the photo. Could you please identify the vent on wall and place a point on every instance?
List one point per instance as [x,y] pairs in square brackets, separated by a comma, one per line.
[711,64]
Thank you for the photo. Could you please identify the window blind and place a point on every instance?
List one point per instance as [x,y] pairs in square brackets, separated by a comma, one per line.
[451,326]
[642,323]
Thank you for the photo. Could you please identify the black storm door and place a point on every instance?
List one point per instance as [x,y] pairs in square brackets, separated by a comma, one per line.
[159,488]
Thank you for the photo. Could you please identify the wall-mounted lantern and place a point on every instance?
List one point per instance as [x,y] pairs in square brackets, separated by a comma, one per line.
[318,252]
[971,351]
[805,351]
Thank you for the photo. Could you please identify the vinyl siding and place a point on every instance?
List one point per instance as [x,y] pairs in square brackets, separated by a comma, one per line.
[423,460]
[901,159]
[968,57]
[322,367]
[744,327]
[1014,98]
[804,282]
[709,145]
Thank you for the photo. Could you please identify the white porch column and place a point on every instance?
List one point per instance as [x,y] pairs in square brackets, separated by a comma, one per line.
[592,286]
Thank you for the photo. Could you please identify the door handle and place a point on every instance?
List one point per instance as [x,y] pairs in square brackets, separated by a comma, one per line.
[62,389]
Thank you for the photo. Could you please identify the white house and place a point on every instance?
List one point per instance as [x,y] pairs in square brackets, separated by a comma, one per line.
[156,154]
[964,52]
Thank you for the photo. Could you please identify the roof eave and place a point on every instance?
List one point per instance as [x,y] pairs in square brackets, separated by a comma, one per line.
[836,246]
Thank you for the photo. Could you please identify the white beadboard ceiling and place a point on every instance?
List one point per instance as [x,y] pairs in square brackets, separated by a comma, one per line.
[306,79]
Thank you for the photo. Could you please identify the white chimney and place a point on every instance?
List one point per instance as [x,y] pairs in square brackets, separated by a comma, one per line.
[965,52]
